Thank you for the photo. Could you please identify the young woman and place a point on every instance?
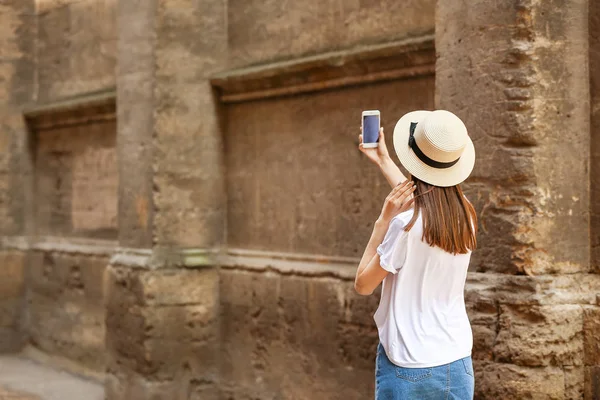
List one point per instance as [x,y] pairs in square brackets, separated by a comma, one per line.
[420,249]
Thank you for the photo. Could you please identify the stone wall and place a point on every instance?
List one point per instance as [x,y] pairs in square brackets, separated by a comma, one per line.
[594,67]
[76,47]
[525,64]
[16,88]
[264,31]
[205,245]
[74,214]
[295,180]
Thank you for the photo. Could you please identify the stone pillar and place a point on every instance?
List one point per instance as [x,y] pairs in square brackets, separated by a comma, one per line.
[162,300]
[16,91]
[517,72]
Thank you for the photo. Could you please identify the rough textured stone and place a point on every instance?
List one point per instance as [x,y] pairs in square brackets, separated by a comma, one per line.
[592,383]
[591,335]
[536,336]
[12,305]
[135,108]
[300,337]
[261,31]
[76,180]
[515,70]
[574,382]
[188,165]
[162,324]
[506,381]
[526,89]
[594,66]
[66,306]
[135,387]
[16,89]
[77,45]
[310,198]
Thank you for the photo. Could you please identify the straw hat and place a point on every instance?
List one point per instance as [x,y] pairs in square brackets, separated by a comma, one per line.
[435,147]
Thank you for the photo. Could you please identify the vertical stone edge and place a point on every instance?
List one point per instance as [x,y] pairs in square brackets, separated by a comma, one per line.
[162,314]
[17,89]
[516,56]
[135,121]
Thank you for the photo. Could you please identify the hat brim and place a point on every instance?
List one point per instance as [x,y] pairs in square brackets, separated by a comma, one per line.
[443,177]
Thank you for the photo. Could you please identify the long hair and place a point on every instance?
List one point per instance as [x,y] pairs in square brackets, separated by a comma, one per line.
[449,219]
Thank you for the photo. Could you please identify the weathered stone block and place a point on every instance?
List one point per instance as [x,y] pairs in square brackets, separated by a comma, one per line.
[68,328]
[540,336]
[282,200]
[12,267]
[515,118]
[162,322]
[172,287]
[574,382]
[76,176]
[190,46]
[77,48]
[261,31]
[188,172]
[592,383]
[120,386]
[300,327]
[136,125]
[507,381]
[66,306]
[591,335]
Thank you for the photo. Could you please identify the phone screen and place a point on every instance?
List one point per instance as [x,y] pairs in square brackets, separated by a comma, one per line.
[370,128]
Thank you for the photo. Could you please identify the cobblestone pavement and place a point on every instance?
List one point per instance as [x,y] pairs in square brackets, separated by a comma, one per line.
[23,379]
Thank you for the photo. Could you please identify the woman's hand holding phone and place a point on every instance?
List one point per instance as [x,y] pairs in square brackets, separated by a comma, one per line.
[399,200]
[379,155]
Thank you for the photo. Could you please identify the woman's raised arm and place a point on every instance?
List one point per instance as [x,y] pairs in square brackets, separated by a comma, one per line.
[381,157]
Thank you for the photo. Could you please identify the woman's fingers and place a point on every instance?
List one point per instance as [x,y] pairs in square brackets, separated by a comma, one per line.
[398,189]
[403,192]
[360,139]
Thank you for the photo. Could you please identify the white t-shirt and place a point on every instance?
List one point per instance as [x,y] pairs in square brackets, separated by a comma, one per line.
[421,318]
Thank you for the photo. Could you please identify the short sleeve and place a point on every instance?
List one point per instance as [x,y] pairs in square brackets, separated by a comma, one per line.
[392,251]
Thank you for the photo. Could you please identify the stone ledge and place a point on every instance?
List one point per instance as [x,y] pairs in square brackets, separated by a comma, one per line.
[368,64]
[59,245]
[580,288]
[77,110]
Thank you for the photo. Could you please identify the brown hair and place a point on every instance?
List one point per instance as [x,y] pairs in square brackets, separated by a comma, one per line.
[447,217]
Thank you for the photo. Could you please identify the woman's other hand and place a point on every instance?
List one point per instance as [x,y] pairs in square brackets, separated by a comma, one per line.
[399,200]
[377,154]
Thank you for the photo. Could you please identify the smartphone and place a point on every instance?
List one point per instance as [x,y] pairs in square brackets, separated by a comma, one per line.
[370,128]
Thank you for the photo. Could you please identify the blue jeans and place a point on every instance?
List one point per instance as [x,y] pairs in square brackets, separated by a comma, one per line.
[454,381]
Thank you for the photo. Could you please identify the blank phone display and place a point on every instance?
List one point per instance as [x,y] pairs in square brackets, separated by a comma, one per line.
[370,128]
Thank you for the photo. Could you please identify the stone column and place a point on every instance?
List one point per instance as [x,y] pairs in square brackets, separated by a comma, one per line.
[162,306]
[16,91]
[517,72]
